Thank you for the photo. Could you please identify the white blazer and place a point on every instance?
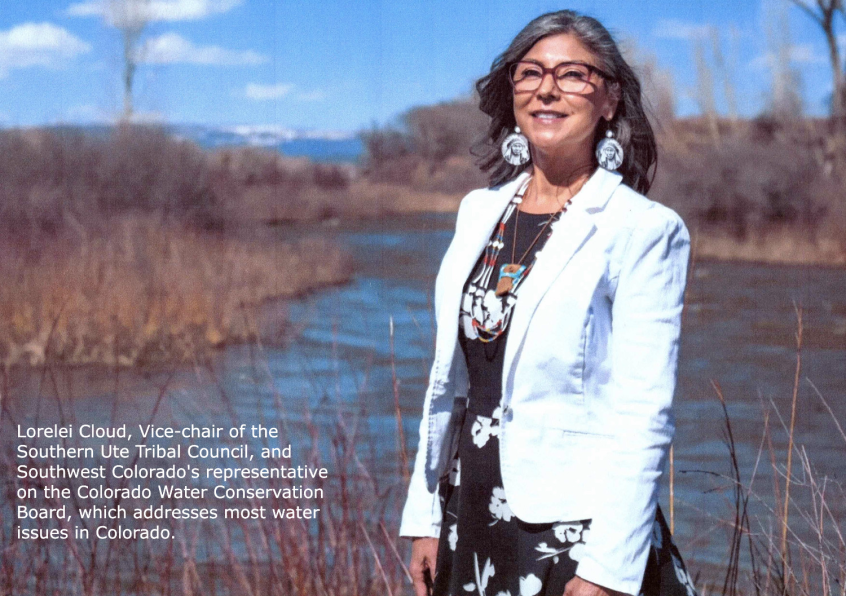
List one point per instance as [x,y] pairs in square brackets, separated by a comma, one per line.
[588,376]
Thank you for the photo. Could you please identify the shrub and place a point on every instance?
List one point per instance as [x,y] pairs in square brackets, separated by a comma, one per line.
[51,177]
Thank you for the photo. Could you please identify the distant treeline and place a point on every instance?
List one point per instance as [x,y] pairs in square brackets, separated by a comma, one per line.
[52,179]
[135,247]
[737,182]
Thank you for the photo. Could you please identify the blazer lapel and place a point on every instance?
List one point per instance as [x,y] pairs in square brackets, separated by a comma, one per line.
[483,224]
[569,234]
[472,238]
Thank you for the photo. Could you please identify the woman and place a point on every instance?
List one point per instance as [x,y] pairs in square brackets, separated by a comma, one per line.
[540,457]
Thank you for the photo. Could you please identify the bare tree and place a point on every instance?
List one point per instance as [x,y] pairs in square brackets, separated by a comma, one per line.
[726,69]
[704,90]
[130,17]
[786,98]
[823,13]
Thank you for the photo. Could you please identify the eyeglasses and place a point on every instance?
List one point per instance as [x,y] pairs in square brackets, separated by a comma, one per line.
[570,77]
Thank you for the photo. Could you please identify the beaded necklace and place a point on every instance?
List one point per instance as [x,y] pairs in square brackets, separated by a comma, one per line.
[485,313]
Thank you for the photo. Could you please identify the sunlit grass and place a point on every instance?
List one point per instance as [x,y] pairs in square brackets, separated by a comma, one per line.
[145,292]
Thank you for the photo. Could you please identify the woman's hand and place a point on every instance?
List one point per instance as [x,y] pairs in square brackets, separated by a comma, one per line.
[581,587]
[424,553]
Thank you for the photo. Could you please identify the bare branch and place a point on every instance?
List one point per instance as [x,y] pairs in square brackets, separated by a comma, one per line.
[808,10]
[823,13]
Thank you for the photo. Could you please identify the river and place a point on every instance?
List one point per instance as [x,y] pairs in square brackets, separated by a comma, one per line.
[740,327]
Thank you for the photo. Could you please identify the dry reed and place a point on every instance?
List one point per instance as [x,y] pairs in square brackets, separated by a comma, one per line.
[791,550]
[148,292]
[352,547]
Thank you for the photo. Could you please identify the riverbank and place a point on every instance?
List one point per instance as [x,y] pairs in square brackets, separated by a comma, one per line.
[362,355]
[128,249]
[145,292]
[777,248]
[757,190]
[137,247]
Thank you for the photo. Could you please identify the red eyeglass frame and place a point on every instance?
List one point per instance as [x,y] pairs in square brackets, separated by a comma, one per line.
[544,70]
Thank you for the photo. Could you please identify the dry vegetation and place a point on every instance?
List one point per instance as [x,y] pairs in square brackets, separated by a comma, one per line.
[261,185]
[760,190]
[768,189]
[124,250]
[349,549]
[133,247]
[774,547]
[147,292]
[129,248]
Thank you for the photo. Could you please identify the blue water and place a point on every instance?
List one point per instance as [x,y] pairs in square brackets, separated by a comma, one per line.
[337,371]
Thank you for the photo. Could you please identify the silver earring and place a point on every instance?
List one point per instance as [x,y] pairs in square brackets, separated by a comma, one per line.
[515,148]
[609,152]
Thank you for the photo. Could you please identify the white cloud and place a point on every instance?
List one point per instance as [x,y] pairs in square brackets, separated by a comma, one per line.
[804,53]
[677,29]
[172,48]
[260,92]
[801,53]
[38,44]
[86,9]
[126,12]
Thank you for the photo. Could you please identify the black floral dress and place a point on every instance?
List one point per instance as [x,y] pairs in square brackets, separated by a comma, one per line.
[484,549]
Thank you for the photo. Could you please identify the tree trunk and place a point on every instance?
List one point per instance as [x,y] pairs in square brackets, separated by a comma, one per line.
[838,109]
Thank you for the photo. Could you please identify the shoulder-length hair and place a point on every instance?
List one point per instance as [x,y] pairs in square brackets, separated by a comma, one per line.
[630,125]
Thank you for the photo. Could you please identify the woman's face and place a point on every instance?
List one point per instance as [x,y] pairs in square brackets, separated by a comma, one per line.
[560,123]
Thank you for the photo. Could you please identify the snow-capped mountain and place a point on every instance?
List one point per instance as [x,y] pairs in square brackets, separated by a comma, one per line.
[326,146]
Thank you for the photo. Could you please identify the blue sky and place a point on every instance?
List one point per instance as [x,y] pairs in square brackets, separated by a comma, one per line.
[342,66]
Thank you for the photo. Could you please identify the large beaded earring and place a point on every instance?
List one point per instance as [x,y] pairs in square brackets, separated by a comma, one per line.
[515,148]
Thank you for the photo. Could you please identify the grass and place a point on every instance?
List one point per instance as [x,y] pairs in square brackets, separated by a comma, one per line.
[133,248]
[351,548]
[148,292]
[774,546]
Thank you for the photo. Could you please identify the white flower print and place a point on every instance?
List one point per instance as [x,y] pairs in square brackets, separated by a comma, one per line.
[683,576]
[483,429]
[499,507]
[497,415]
[568,532]
[453,536]
[482,579]
[530,585]
[573,535]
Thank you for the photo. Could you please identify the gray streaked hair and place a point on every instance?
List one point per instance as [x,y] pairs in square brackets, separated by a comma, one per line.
[630,125]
